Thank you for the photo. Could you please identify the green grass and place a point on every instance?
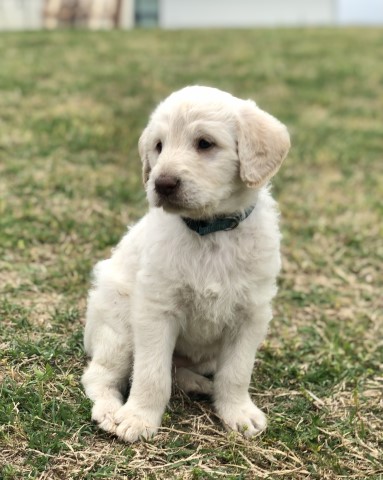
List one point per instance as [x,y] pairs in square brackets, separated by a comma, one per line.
[72,105]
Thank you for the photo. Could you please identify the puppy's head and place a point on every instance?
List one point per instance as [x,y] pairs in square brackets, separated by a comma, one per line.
[205,151]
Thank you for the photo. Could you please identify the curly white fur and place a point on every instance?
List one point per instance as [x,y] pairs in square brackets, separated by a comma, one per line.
[167,294]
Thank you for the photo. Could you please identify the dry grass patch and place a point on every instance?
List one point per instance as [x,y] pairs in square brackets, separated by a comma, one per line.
[72,107]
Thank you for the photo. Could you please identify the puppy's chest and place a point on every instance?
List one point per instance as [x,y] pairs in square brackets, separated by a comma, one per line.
[211,297]
[207,299]
[206,311]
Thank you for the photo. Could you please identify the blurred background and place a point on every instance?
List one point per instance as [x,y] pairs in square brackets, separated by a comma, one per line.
[106,14]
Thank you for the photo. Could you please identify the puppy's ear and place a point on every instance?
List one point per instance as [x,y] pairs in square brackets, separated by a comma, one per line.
[143,151]
[263,143]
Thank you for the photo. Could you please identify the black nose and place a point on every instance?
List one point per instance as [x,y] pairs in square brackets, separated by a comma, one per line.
[166,184]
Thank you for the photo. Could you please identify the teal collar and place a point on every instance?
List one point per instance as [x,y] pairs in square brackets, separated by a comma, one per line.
[217,224]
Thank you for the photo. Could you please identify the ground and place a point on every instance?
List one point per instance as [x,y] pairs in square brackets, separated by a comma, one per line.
[72,105]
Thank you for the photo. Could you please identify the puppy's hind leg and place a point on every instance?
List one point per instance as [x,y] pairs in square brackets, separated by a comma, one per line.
[107,375]
[192,382]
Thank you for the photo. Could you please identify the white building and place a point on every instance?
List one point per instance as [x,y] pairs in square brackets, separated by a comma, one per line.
[245,13]
[174,14]
[21,14]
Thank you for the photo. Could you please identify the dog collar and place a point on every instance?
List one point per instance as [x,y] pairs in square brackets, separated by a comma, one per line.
[217,224]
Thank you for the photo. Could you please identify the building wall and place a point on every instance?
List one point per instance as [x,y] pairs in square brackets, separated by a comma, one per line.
[21,14]
[245,13]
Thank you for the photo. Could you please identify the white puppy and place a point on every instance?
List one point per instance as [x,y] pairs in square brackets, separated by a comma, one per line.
[194,279]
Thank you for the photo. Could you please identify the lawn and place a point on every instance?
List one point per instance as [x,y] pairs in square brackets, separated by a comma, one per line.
[72,105]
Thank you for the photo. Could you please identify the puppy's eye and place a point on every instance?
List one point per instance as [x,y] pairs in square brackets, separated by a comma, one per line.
[204,144]
[159,147]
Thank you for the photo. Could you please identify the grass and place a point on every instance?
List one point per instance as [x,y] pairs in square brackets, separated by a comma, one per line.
[72,105]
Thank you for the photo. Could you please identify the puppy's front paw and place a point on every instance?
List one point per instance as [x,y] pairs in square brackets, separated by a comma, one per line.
[103,412]
[133,424]
[245,418]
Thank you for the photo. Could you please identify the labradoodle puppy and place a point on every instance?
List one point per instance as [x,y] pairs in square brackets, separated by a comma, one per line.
[190,284]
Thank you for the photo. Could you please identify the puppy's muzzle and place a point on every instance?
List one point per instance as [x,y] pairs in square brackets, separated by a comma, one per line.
[166,185]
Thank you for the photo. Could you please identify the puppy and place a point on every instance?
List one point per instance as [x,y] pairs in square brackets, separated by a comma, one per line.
[192,282]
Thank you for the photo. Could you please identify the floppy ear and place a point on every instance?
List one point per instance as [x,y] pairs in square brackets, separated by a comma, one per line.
[143,151]
[263,143]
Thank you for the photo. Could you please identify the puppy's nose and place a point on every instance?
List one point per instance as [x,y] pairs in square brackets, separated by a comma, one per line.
[166,184]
